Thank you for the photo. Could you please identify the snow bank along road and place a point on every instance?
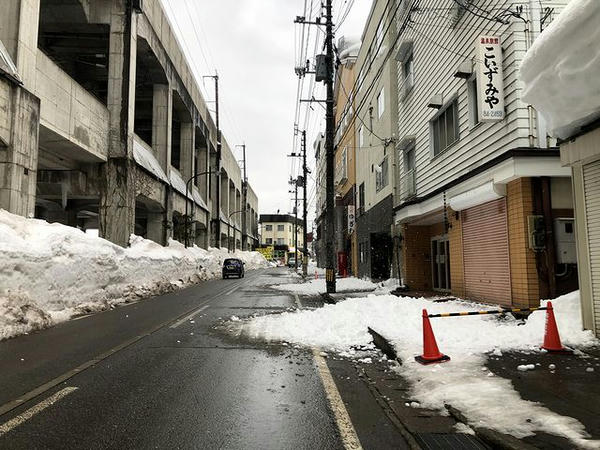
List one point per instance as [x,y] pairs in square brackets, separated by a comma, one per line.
[159,374]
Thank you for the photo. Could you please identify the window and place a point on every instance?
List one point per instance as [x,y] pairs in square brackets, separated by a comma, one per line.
[381,175]
[444,128]
[409,181]
[280,228]
[362,250]
[269,241]
[409,158]
[361,198]
[268,227]
[379,38]
[361,137]
[381,103]
[409,73]
[473,103]
[290,228]
[280,241]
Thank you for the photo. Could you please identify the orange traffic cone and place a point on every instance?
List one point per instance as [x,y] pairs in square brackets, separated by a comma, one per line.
[551,337]
[431,353]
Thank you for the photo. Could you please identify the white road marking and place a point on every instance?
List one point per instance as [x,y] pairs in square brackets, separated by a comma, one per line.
[25,416]
[342,418]
[189,316]
[233,290]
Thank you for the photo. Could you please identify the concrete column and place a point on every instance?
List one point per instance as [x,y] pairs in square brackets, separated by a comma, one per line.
[162,102]
[168,215]
[224,195]
[203,167]
[19,158]
[19,24]
[187,150]
[117,197]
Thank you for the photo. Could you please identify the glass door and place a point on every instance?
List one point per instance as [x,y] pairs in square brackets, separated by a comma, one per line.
[440,263]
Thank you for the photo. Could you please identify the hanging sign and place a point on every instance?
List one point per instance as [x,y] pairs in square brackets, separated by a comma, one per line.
[351,219]
[490,79]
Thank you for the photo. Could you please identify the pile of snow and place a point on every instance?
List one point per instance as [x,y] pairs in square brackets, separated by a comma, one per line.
[317,286]
[560,70]
[464,382]
[51,272]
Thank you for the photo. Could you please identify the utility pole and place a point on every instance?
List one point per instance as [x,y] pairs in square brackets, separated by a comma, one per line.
[329,151]
[296,227]
[327,76]
[244,201]
[217,220]
[304,221]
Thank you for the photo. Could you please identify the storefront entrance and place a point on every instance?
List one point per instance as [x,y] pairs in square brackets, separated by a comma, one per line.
[440,266]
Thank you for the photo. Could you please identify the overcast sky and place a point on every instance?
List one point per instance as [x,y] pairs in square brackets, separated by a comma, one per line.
[252,44]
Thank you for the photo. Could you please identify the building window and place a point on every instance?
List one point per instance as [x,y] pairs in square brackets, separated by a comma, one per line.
[361,199]
[473,103]
[268,227]
[381,175]
[379,38]
[361,137]
[409,178]
[280,241]
[444,128]
[280,228]
[381,103]
[409,73]
[362,250]
[269,241]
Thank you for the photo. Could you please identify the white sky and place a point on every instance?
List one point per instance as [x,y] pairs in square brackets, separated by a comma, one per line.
[252,44]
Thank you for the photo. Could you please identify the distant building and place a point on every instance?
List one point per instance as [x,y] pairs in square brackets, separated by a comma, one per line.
[283,232]
[320,180]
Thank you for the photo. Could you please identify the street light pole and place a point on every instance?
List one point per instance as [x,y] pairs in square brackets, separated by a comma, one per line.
[229,229]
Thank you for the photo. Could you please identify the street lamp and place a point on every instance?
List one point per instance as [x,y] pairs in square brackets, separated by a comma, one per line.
[187,189]
[229,226]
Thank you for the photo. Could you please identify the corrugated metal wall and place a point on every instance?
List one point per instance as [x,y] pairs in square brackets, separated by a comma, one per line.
[485,253]
[591,182]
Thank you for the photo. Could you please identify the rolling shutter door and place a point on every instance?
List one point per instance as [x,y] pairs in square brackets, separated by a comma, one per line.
[591,183]
[485,253]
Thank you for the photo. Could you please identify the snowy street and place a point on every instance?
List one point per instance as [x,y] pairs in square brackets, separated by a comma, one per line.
[166,373]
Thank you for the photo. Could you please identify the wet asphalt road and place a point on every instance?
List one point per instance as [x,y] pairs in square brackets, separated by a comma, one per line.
[178,381]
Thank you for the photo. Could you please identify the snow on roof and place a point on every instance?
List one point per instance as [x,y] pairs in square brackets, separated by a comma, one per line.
[146,159]
[348,48]
[560,70]
[7,65]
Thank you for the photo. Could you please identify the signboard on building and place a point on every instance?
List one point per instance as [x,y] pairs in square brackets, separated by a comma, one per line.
[490,79]
[351,218]
[267,252]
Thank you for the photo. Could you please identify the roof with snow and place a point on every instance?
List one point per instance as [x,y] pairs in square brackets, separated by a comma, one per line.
[7,66]
[560,70]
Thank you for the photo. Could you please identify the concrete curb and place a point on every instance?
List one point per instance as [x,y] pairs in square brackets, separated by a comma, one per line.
[493,438]
[384,345]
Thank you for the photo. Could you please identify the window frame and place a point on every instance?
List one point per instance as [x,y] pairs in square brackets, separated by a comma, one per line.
[269,227]
[381,103]
[382,178]
[280,227]
[435,121]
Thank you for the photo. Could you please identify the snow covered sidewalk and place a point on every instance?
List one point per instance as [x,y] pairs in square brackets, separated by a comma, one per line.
[464,382]
[51,272]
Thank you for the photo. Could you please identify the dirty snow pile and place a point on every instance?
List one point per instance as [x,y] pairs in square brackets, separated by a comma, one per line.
[317,286]
[560,70]
[51,272]
[464,382]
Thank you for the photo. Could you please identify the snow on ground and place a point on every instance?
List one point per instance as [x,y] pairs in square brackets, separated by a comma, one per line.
[316,286]
[462,382]
[560,70]
[51,272]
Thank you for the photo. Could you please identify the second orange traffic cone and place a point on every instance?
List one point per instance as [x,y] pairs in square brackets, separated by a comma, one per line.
[431,353]
[551,337]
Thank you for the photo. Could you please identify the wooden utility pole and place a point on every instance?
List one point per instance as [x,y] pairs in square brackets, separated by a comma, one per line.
[329,152]
[304,207]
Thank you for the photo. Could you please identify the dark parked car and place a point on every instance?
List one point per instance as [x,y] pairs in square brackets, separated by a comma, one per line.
[233,266]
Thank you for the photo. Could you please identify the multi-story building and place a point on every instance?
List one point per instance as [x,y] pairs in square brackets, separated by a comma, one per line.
[344,159]
[480,192]
[320,179]
[572,105]
[376,125]
[284,232]
[105,131]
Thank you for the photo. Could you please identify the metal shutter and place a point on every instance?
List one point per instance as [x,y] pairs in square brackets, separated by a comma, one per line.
[591,186]
[485,253]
